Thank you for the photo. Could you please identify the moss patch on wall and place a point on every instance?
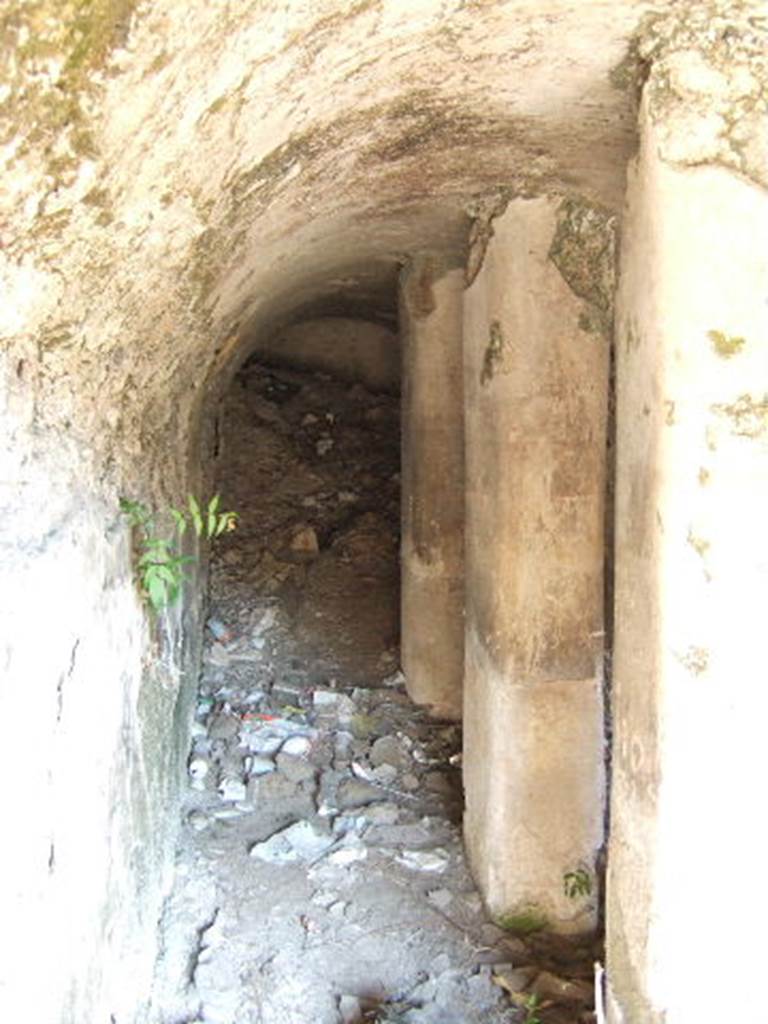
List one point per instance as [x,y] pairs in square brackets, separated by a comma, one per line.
[494,353]
[707,90]
[584,251]
[58,47]
[725,345]
[748,416]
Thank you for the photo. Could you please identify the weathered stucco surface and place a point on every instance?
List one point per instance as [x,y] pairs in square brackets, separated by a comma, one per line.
[535,389]
[432,472]
[691,580]
[179,179]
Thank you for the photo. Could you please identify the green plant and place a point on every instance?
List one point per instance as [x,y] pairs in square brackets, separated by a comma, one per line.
[527,921]
[160,561]
[577,883]
[531,1005]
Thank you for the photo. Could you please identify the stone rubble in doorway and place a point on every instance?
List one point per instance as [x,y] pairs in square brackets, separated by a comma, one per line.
[334,894]
[320,874]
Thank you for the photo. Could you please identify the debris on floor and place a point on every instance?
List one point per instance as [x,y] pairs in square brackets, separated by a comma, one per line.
[320,874]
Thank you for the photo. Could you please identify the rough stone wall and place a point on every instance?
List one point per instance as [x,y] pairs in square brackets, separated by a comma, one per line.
[175,175]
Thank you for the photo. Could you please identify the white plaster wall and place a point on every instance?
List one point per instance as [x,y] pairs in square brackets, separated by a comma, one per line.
[689,845]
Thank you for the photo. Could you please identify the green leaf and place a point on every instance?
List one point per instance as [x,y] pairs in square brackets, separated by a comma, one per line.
[180,519]
[197,519]
[158,593]
[153,543]
[213,504]
[170,575]
[137,514]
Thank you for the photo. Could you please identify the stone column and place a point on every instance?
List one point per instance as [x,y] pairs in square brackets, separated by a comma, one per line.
[689,846]
[535,408]
[432,644]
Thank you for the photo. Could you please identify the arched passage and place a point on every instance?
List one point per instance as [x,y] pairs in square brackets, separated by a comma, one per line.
[179,178]
[202,187]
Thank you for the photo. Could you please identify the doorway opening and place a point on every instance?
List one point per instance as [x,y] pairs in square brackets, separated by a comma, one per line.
[322,873]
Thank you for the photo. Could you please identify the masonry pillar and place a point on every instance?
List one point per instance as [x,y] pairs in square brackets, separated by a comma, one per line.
[689,846]
[535,408]
[432,643]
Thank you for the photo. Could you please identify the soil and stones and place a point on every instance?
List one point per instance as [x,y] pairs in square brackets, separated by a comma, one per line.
[320,876]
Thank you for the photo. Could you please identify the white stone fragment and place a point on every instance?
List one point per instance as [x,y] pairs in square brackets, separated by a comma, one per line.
[298,842]
[347,855]
[324,699]
[198,821]
[260,765]
[297,746]
[442,898]
[349,1009]
[198,769]
[232,789]
[424,860]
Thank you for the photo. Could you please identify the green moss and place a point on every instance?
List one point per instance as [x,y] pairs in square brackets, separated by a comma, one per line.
[217,105]
[632,339]
[96,27]
[586,323]
[51,223]
[97,197]
[696,660]
[494,353]
[699,545]
[57,335]
[748,416]
[79,35]
[725,345]
[584,251]
[525,922]
[159,62]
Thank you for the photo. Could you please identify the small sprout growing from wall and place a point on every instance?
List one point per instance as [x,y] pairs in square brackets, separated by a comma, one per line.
[577,883]
[531,1007]
[160,561]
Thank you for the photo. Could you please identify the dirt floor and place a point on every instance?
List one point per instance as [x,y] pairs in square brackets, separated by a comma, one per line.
[320,874]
